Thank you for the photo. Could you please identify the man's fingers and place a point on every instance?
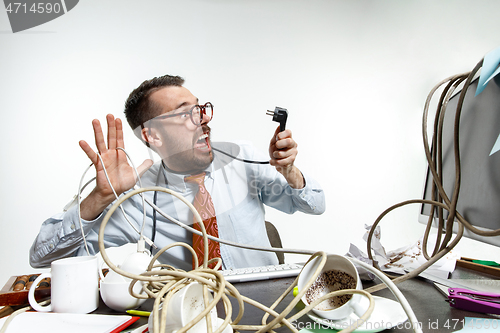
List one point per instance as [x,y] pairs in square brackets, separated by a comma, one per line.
[285,150]
[111,131]
[282,139]
[283,135]
[283,156]
[88,151]
[283,162]
[99,137]
[119,133]
[144,167]
[275,136]
[287,143]
[279,154]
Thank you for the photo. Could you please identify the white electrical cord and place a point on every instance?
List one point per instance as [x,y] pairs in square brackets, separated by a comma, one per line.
[199,233]
[395,291]
[116,195]
[162,284]
[78,199]
[155,280]
[140,184]
[81,188]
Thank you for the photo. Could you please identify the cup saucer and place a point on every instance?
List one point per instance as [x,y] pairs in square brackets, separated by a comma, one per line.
[386,314]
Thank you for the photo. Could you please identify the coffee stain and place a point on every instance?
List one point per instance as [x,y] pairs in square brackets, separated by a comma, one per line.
[328,282]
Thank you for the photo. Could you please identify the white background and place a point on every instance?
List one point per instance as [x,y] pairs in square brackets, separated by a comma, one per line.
[354,76]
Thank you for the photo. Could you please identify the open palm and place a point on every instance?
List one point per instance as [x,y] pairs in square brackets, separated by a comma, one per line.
[121,175]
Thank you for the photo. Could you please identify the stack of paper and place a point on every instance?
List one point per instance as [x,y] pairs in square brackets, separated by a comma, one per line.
[42,322]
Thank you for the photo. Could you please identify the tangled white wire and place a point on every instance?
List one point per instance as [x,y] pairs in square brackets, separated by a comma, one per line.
[161,282]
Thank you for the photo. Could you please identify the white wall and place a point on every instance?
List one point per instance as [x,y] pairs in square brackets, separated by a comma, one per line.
[353,74]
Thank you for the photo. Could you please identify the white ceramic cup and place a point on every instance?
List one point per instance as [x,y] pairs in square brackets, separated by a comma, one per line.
[116,295]
[183,307]
[73,286]
[357,304]
[114,287]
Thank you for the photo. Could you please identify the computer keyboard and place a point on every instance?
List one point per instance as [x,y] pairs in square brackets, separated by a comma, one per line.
[262,272]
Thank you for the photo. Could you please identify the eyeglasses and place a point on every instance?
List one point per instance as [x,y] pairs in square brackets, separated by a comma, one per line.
[196,112]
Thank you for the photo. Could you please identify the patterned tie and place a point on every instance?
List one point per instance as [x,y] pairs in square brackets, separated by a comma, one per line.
[204,205]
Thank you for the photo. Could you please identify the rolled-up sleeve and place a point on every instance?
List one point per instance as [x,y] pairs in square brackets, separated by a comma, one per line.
[310,199]
[59,236]
[274,191]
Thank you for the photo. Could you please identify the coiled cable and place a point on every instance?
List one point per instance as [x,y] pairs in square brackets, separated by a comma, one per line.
[162,281]
[440,200]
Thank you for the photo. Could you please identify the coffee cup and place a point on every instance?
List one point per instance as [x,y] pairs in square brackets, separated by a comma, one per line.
[338,273]
[116,295]
[184,306]
[74,286]
[114,288]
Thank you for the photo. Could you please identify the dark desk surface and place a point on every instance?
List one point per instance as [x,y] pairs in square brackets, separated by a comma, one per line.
[428,304]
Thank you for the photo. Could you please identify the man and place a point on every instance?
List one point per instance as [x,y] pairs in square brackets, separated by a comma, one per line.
[167,117]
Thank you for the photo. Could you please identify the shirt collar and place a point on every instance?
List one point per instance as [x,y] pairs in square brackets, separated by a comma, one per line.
[176,180]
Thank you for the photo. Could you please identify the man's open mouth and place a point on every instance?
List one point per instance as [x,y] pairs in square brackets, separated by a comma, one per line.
[203,143]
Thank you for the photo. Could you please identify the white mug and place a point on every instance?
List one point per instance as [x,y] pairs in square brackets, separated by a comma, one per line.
[73,288]
[183,307]
[115,287]
[357,304]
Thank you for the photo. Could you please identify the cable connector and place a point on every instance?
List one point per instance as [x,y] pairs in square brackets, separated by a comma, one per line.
[141,245]
[279,115]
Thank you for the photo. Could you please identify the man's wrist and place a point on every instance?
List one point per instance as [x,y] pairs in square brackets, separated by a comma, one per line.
[93,205]
[294,177]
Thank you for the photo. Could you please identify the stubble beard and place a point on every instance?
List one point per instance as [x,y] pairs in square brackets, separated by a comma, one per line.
[190,160]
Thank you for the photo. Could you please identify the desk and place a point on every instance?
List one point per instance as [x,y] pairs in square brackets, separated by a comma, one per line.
[428,304]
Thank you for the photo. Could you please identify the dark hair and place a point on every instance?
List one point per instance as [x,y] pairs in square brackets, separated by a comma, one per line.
[138,107]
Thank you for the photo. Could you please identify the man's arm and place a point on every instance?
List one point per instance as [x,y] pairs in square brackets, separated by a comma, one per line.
[60,236]
[283,152]
[281,184]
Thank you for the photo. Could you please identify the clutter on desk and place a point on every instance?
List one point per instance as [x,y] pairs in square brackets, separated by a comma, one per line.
[6,311]
[387,314]
[486,285]
[15,290]
[475,301]
[484,266]
[405,258]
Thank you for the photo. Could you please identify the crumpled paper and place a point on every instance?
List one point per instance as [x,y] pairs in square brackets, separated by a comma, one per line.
[401,260]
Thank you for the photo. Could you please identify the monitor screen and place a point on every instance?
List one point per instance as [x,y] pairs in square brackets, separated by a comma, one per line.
[479,198]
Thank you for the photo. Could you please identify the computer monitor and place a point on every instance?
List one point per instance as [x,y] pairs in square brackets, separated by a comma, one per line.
[479,198]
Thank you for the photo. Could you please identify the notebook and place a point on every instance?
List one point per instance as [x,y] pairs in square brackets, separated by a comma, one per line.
[45,322]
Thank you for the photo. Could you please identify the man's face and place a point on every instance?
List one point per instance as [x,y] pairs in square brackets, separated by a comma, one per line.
[183,146]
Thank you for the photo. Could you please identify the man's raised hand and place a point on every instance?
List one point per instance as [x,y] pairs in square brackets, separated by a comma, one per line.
[121,175]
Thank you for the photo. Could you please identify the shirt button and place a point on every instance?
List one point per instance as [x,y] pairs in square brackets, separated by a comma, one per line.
[51,246]
[73,226]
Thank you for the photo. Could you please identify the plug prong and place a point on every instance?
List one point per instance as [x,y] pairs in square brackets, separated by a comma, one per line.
[279,115]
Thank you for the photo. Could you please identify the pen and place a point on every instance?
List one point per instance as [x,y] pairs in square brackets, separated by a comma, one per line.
[479,266]
[139,313]
[482,262]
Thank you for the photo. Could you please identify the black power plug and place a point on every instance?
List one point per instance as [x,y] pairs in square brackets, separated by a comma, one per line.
[279,115]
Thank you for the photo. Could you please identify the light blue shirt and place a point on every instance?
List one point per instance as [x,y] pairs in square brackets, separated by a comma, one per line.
[239,192]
